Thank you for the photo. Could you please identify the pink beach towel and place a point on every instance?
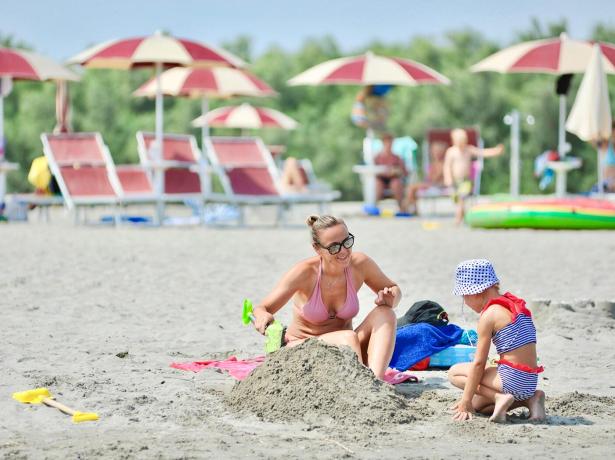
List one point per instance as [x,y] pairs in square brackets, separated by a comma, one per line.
[241,368]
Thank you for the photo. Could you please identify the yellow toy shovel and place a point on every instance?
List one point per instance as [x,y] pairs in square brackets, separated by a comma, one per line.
[42,396]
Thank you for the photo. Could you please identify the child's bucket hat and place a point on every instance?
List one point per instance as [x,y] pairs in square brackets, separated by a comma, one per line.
[474,276]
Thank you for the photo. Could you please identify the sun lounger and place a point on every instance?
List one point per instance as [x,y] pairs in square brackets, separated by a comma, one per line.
[185,170]
[249,176]
[87,176]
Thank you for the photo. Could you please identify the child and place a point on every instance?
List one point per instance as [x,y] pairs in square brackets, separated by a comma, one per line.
[505,321]
[457,167]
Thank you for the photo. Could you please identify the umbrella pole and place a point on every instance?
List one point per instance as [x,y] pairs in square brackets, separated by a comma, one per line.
[514,153]
[1,124]
[600,175]
[205,181]
[561,138]
[158,152]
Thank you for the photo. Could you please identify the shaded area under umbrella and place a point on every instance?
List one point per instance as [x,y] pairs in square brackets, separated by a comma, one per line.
[155,51]
[23,65]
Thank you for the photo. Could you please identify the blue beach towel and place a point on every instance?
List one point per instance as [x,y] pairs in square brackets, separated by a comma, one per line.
[415,342]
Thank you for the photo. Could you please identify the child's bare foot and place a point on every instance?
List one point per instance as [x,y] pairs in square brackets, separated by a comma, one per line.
[502,404]
[536,404]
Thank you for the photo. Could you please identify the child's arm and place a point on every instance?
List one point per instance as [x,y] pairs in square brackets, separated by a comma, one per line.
[463,409]
[487,152]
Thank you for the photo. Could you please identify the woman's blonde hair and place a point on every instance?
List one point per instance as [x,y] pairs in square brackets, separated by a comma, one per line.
[318,223]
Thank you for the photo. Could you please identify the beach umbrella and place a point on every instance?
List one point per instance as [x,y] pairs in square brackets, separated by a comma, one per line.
[155,51]
[558,56]
[369,69]
[215,82]
[590,116]
[16,64]
[246,116]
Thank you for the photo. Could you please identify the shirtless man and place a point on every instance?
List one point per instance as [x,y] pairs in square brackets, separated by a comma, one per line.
[458,167]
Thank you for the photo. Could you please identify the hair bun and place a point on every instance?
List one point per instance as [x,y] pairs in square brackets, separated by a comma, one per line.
[311,220]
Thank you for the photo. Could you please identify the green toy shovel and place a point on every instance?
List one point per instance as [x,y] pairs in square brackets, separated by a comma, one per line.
[274,333]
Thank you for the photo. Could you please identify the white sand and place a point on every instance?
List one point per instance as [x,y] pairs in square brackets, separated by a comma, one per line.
[74,297]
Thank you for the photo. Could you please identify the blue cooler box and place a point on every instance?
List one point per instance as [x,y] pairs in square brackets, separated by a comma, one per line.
[453,355]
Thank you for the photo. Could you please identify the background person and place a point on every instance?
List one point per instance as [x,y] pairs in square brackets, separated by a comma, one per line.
[457,169]
[395,174]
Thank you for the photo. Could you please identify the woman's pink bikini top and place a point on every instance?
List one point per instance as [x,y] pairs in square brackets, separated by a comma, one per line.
[315,311]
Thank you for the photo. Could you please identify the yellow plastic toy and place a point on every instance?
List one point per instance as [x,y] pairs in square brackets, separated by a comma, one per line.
[42,396]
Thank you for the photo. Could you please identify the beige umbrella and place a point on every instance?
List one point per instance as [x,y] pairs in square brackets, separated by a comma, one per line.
[590,117]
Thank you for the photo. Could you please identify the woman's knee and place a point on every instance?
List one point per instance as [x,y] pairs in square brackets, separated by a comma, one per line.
[384,314]
[349,338]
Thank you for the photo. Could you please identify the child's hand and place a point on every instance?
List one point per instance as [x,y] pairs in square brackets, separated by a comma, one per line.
[462,411]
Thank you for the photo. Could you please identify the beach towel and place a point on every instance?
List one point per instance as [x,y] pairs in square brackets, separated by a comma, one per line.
[415,342]
[241,368]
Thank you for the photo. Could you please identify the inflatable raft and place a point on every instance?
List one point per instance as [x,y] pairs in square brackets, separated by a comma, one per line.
[573,213]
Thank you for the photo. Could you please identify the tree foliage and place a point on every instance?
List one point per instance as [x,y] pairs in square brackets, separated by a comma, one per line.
[103,101]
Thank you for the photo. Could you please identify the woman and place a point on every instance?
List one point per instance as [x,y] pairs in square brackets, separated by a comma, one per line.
[324,293]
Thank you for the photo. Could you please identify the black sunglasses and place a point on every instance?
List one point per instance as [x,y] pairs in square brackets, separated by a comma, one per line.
[334,248]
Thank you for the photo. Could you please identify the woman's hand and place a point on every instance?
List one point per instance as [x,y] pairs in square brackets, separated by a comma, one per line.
[462,411]
[262,319]
[386,296]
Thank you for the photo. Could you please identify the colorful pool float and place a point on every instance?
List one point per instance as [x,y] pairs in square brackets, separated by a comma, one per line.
[555,213]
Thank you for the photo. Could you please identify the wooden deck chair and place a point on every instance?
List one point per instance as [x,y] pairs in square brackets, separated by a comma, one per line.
[249,176]
[87,176]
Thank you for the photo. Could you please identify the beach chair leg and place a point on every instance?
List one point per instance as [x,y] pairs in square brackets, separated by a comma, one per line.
[76,215]
[241,220]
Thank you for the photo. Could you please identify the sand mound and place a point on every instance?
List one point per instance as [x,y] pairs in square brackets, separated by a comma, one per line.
[575,404]
[315,382]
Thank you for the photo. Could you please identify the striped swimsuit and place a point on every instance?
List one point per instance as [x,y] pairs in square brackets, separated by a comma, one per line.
[518,380]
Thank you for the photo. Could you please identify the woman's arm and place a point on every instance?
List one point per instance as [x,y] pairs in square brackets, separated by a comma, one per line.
[464,409]
[388,292]
[279,296]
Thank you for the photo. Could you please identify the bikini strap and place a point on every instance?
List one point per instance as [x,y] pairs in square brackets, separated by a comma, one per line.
[512,303]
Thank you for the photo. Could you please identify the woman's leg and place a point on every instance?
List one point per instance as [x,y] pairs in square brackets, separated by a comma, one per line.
[376,336]
[397,187]
[291,178]
[346,337]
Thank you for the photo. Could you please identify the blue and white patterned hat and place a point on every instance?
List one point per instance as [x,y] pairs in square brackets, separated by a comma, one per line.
[474,276]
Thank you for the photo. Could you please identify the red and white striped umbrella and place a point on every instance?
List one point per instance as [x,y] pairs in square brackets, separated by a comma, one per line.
[154,49]
[25,65]
[215,82]
[246,116]
[369,69]
[557,56]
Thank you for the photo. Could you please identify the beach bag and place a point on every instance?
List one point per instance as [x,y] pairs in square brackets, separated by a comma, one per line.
[424,311]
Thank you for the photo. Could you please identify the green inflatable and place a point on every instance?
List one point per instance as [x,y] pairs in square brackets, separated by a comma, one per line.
[573,213]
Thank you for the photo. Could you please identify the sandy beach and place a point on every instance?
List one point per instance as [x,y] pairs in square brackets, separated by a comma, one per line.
[97,314]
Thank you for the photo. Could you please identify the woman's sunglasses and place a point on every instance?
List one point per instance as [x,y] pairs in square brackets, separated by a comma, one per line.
[337,247]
